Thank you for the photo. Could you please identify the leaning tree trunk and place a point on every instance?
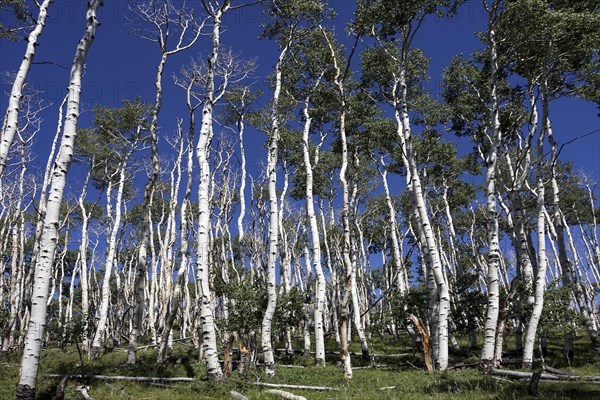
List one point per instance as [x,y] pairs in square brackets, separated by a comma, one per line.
[425,231]
[26,388]
[9,126]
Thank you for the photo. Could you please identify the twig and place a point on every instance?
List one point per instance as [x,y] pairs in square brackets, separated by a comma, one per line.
[301,387]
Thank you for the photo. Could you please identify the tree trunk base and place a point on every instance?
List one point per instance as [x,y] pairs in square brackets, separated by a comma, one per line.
[25,392]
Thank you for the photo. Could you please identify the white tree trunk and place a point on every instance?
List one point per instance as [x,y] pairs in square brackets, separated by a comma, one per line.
[33,341]
[429,245]
[540,278]
[400,273]
[9,126]
[209,336]
[273,250]
[344,325]
[316,244]
[110,258]
[493,294]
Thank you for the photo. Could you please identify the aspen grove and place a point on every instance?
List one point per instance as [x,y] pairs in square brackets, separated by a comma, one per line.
[315,191]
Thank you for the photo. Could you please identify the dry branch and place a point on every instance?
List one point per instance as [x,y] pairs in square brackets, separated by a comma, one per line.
[83,390]
[286,395]
[300,387]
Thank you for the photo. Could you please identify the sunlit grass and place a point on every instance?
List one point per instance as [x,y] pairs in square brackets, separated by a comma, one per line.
[397,377]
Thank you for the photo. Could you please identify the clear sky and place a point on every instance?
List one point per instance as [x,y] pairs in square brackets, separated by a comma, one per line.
[123,66]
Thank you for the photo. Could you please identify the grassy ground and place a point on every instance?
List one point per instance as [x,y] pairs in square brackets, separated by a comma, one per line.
[404,373]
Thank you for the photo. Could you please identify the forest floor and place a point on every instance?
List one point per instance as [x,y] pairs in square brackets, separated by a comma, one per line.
[389,377]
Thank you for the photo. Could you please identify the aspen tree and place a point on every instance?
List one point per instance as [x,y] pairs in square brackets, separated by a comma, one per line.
[9,125]
[166,19]
[26,388]
[349,266]
[491,160]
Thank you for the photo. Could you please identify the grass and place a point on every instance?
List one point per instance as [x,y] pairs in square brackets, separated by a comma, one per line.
[405,373]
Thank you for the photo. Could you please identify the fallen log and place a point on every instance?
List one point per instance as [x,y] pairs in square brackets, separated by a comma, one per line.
[237,396]
[286,395]
[463,365]
[559,371]
[546,377]
[122,378]
[371,366]
[520,374]
[300,387]
[283,365]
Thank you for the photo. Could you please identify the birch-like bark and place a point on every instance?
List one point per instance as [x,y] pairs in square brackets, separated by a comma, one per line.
[346,256]
[83,276]
[26,388]
[209,337]
[266,341]
[110,257]
[316,243]
[400,274]
[172,308]
[429,245]
[158,16]
[493,259]
[11,119]
[540,278]
[242,191]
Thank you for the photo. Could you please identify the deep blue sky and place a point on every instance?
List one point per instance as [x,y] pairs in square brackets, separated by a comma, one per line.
[123,66]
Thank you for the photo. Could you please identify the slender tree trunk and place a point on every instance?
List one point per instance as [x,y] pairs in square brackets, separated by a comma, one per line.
[493,259]
[344,317]
[109,260]
[184,247]
[26,388]
[316,244]
[209,337]
[540,278]
[400,282]
[266,340]
[11,119]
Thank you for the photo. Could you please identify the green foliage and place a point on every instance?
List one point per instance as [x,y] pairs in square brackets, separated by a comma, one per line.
[16,12]
[247,305]
[559,314]
[117,133]
[285,17]
[549,38]
[468,305]
[289,312]
[414,301]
